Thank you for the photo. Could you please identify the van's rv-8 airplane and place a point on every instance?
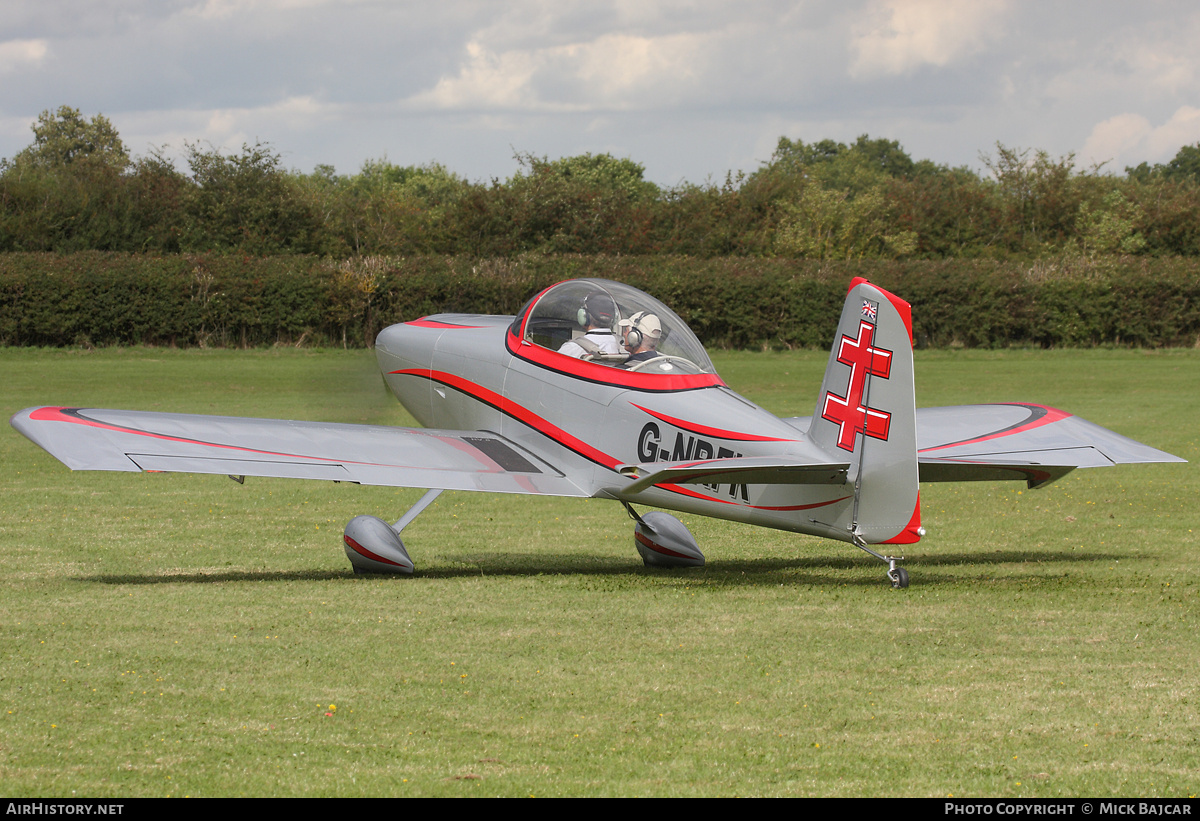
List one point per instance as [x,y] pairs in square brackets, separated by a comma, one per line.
[506,412]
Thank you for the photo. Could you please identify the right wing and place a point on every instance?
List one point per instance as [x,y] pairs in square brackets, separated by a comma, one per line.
[93,439]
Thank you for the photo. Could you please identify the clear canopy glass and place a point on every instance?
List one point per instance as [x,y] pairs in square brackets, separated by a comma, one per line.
[557,315]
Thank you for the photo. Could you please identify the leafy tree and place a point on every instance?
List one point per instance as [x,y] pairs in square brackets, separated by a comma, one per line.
[951,211]
[386,208]
[884,155]
[247,202]
[602,172]
[1169,223]
[1111,228]
[797,156]
[830,161]
[1040,196]
[828,224]
[66,191]
[710,220]
[64,137]
[158,195]
[583,204]
[1185,166]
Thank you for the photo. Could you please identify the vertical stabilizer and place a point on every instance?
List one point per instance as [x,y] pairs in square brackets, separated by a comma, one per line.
[867,412]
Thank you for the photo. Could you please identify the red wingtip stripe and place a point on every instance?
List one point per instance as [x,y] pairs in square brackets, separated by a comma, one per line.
[1035,420]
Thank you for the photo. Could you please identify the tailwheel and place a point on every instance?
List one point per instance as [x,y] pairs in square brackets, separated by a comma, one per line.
[898,576]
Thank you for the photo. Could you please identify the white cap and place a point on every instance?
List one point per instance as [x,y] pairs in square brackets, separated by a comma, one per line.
[647,324]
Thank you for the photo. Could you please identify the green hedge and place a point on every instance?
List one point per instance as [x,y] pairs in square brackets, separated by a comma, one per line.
[217,300]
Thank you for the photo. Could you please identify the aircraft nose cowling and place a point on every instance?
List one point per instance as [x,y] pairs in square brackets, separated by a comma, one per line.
[664,541]
[373,547]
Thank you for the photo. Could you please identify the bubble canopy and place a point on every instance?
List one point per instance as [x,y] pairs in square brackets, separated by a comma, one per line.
[559,314]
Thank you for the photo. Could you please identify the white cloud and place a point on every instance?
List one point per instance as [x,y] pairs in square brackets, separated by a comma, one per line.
[1182,129]
[486,80]
[18,53]
[617,64]
[903,35]
[1118,136]
[611,72]
[1129,139]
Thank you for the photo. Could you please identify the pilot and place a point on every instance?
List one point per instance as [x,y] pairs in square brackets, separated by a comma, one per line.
[596,315]
[641,334]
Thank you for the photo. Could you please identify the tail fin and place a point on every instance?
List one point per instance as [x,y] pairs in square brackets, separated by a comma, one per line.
[866,413]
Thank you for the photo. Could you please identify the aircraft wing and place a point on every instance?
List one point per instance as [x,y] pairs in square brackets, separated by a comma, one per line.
[1036,443]
[94,439]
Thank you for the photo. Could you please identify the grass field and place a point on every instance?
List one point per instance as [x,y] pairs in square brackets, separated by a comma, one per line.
[170,635]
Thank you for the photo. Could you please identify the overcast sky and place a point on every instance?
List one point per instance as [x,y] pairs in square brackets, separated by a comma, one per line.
[689,89]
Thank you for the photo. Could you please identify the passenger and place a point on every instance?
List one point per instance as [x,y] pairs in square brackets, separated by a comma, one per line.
[596,315]
[641,334]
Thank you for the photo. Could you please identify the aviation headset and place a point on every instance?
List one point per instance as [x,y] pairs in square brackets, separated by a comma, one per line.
[635,335]
[600,307]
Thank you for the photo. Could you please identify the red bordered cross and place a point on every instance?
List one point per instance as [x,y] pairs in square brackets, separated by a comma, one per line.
[849,412]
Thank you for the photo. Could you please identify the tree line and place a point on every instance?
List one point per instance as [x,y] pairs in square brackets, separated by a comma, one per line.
[77,188]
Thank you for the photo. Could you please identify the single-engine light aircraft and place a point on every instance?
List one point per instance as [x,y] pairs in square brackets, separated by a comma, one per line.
[547,402]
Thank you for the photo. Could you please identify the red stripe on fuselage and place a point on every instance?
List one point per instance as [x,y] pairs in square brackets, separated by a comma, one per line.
[518,412]
[705,430]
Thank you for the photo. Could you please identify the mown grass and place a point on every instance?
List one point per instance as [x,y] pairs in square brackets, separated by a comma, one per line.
[184,635]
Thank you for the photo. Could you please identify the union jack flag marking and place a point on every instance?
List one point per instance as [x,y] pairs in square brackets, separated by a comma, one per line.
[870,310]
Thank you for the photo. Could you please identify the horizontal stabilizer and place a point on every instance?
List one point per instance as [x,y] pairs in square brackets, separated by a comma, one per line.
[1018,441]
[764,470]
[1033,443]
[1034,474]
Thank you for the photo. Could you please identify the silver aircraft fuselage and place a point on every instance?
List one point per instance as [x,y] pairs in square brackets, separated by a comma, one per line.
[470,372]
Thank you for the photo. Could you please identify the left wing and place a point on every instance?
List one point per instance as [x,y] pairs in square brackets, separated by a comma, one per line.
[94,439]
